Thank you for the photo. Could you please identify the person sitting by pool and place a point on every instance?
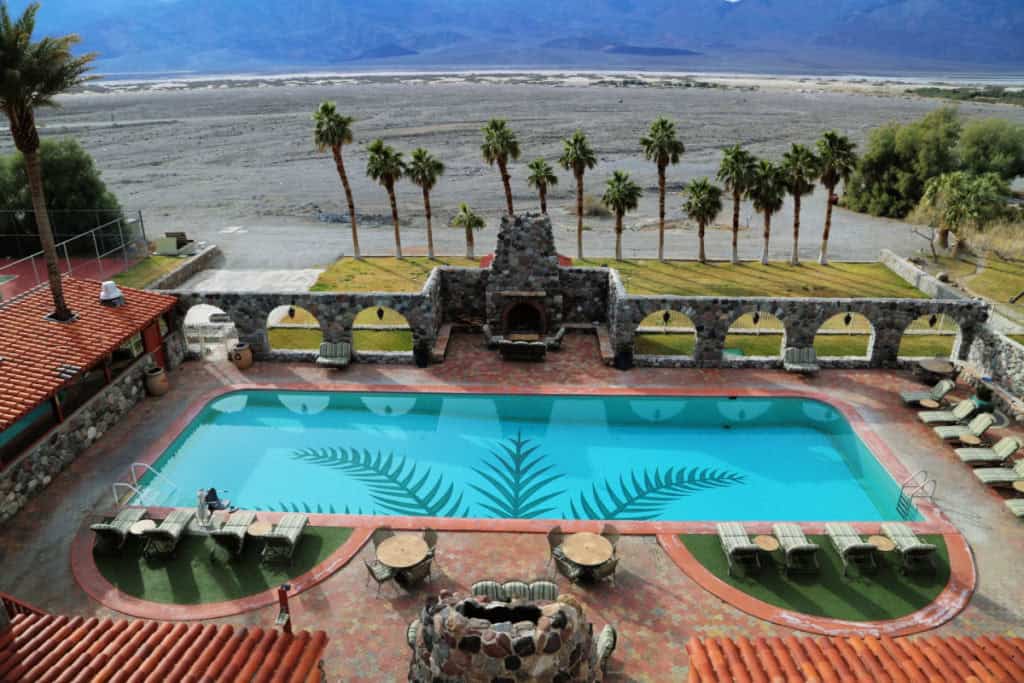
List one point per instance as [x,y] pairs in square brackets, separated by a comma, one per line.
[213,501]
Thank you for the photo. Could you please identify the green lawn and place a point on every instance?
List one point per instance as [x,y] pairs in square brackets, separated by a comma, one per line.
[295,338]
[690,278]
[194,577]
[308,339]
[147,270]
[918,346]
[1019,338]
[383,274]
[885,594]
[826,345]
[664,344]
[999,280]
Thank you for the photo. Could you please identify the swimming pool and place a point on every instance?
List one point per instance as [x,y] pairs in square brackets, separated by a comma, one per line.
[534,456]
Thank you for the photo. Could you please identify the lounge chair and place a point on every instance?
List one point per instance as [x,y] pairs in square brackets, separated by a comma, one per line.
[961,411]
[279,544]
[800,553]
[1016,506]
[803,360]
[605,647]
[737,547]
[543,590]
[913,551]
[411,634]
[1001,476]
[851,547]
[978,426]
[605,570]
[998,454]
[334,354]
[517,590]
[111,536]
[231,536]
[488,589]
[163,540]
[379,572]
[936,393]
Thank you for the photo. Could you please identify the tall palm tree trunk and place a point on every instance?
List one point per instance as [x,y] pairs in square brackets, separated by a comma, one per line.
[35,183]
[543,189]
[618,236]
[430,229]
[823,254]
[469,243]
[767,236]
[700,236]
[735,227]
[661,212]
[339,164]
[506,181]
[394,219]
[795,258]
[579,216]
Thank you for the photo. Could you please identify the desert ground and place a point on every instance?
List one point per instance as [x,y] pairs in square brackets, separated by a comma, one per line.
[232,160]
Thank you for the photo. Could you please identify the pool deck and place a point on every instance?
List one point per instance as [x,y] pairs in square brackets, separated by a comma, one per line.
[655,606]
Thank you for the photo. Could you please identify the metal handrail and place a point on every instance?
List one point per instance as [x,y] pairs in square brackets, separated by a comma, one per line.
[156,475]
[923,487]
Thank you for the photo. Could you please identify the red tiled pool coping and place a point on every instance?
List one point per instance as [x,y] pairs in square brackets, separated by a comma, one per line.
[88,576]
[950,602]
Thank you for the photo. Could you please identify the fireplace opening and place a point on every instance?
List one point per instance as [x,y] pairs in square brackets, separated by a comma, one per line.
[524,318]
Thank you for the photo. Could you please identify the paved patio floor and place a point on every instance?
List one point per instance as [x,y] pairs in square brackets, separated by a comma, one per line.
[655,607]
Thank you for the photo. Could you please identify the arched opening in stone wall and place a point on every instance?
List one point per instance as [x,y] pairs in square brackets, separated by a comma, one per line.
[293,328]
[932,335]
[209,332]
[665,333]
[381,329]
[845,335]
[756,334]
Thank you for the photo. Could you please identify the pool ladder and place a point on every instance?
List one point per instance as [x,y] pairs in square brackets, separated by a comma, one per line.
[124,492]
[918,486]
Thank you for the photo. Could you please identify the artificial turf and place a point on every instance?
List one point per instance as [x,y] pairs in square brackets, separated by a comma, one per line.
[194,576]
[884,594]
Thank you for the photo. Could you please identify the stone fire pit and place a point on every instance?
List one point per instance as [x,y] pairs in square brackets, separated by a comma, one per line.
[474,640]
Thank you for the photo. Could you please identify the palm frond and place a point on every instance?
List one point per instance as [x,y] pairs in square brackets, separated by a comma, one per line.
[646,496]
[517,481]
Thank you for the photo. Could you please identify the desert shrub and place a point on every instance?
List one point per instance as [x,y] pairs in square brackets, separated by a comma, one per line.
[592,207]
[993,146]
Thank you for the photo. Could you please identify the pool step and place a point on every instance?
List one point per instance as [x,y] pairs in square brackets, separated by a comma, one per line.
[440,349]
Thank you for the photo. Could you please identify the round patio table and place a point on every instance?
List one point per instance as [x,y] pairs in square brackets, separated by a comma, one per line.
[929,404]
[969,440]
[402,551]
[936,366]
[587,549]
[1019,486]
[883,543]
[259,529]
[767,543]
[140,527]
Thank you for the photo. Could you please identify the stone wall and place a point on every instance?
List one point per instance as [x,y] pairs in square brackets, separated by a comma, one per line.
[918,278]
[525,264]
[175,347]
[1000,358]
[462,294]
[189,267]
[34,469]
[584,294]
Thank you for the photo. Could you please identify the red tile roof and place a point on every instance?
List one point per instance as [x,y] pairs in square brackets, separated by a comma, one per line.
[46,647]
[929,659]
[33,349]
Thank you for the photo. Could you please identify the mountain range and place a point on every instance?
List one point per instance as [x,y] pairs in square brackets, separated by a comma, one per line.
[806,36]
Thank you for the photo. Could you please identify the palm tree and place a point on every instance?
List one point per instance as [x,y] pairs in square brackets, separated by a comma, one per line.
[799,169]
[424,170]
[768,192]
[386,166]
[578,156]
[621,195]
[703,204]
[500,145]
[663,148]
[469,220]
[332,131]
[736,172]
[32,74]
[542,176]
[838,160]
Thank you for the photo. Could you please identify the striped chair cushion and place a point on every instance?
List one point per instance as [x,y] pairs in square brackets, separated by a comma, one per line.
[489,589]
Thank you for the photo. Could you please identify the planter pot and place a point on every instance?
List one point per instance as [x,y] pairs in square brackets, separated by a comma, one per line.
[156,382]
[241,356]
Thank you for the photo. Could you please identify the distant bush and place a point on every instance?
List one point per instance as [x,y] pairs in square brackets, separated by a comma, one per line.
[592,207]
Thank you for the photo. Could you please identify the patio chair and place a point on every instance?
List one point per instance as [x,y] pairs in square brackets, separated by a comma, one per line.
[997,455]
[334,354]
[799,552]
[567,567]
[231,536]
[605,647]
[279,544]
[978,426]
[851,547]
[737,547]
[379,572]
[804,361]
[555,538]
[380,535]
[936,393]
[1001,476]
[111,536]
[430,538]
[612,534]
[415,574]
[488,588]
[961,412]
[163,540]
[411,634]
[516,590]
[1016,506]
[605,570]
[913,551]
[543,590]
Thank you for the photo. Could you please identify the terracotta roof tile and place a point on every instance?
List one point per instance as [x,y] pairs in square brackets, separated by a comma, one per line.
[52,648]
[39,356]
[930,659]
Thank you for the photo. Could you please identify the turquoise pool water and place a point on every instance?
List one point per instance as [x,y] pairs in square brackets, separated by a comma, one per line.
[559,457]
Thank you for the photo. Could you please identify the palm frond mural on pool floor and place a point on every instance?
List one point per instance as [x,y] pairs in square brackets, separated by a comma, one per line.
[647,496]
[516,481]
[397,485]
